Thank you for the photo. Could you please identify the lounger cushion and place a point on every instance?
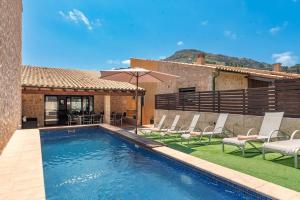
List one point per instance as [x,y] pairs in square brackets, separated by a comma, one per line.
[234,141]
[237,142]
[287,146]
[209,133]
[149,129]
[185,136]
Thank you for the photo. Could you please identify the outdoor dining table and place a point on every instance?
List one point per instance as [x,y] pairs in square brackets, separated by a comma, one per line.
[80,117]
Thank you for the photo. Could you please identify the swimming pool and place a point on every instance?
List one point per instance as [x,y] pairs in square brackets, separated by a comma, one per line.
[91,163]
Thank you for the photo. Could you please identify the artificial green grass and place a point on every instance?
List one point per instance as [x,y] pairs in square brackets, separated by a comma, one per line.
[276,168]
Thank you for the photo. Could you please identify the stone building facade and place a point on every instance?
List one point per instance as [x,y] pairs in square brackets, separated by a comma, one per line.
[200,76]
[190,76]
[33,105]
[10,68]
[49,94]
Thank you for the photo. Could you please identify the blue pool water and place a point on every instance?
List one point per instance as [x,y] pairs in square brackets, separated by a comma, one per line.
[94,164]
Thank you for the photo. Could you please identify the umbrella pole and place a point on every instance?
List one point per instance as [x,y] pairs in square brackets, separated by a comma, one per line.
[136,104]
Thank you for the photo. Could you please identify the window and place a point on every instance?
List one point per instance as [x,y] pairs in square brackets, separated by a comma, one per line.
[51,108]
[188,89]
[76,103]
[57,107]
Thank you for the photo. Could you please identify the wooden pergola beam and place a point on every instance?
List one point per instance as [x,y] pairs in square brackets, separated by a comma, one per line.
[65,91]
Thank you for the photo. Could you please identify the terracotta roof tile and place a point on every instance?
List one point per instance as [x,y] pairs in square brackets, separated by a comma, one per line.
[249,71]
[33,76]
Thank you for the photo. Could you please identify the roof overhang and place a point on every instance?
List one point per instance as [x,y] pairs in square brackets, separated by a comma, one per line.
[259,78]
[70,91]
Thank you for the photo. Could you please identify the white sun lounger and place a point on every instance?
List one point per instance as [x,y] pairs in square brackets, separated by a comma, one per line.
[155,128]
[217,130]
[286,147]
[269,129]
[163,132]
[191,128]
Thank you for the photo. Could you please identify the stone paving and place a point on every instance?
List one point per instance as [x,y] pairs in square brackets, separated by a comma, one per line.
[21,169]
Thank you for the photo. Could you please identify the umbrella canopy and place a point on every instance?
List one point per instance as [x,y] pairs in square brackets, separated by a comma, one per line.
[131,75]
[136,76]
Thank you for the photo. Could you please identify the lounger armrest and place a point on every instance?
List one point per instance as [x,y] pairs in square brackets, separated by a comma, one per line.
[294,133]
[207,128]
[272,133]
[250,131]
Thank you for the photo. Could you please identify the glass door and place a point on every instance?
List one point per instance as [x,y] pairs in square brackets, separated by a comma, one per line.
[51,110]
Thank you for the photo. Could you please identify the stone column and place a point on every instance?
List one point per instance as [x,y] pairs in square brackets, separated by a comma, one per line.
[107,109]
[139,109]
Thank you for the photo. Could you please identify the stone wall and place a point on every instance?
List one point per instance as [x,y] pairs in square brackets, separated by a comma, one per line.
[33,105]
[200,77]
[98,103]
[239,124]
[190,76]
[10,68]
[231,81]
[118,103]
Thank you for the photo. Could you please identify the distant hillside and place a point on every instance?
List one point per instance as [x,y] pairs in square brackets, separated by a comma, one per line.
[189,56]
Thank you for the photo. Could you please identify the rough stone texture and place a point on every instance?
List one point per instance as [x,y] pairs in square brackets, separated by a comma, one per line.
[98,103]
[107,109]
[231,81]
[239,124]
[118,103]
[33,105]
[190,76]
[10,68]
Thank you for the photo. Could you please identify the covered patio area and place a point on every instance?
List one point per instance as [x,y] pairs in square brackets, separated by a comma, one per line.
[54,96]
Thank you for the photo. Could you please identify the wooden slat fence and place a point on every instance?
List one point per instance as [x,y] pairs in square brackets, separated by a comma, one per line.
[288,97]
[283,96]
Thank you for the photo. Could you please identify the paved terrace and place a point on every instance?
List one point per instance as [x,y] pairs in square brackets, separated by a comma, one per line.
[21,168]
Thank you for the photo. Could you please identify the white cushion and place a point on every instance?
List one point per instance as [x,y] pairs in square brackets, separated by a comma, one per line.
[208,133]
[185,136]
[234,141]
[290,147]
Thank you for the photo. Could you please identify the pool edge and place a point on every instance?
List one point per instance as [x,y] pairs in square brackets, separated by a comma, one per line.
[21,167]
[254,184]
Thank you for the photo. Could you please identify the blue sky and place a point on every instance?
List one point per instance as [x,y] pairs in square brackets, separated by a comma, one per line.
[101,34]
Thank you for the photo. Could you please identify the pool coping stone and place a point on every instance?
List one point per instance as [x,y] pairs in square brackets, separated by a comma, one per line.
[257,185]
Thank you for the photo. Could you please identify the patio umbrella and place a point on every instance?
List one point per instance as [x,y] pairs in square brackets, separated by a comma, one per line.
[136,76]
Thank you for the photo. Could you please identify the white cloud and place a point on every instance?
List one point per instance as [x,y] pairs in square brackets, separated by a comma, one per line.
[286,58]
[204,23]
[180,43]
[277,29]
[77,16]
[113,62]
[230,34]
[162,57]
[126,62]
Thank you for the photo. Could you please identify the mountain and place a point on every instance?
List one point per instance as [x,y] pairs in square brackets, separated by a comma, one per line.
[190,55]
